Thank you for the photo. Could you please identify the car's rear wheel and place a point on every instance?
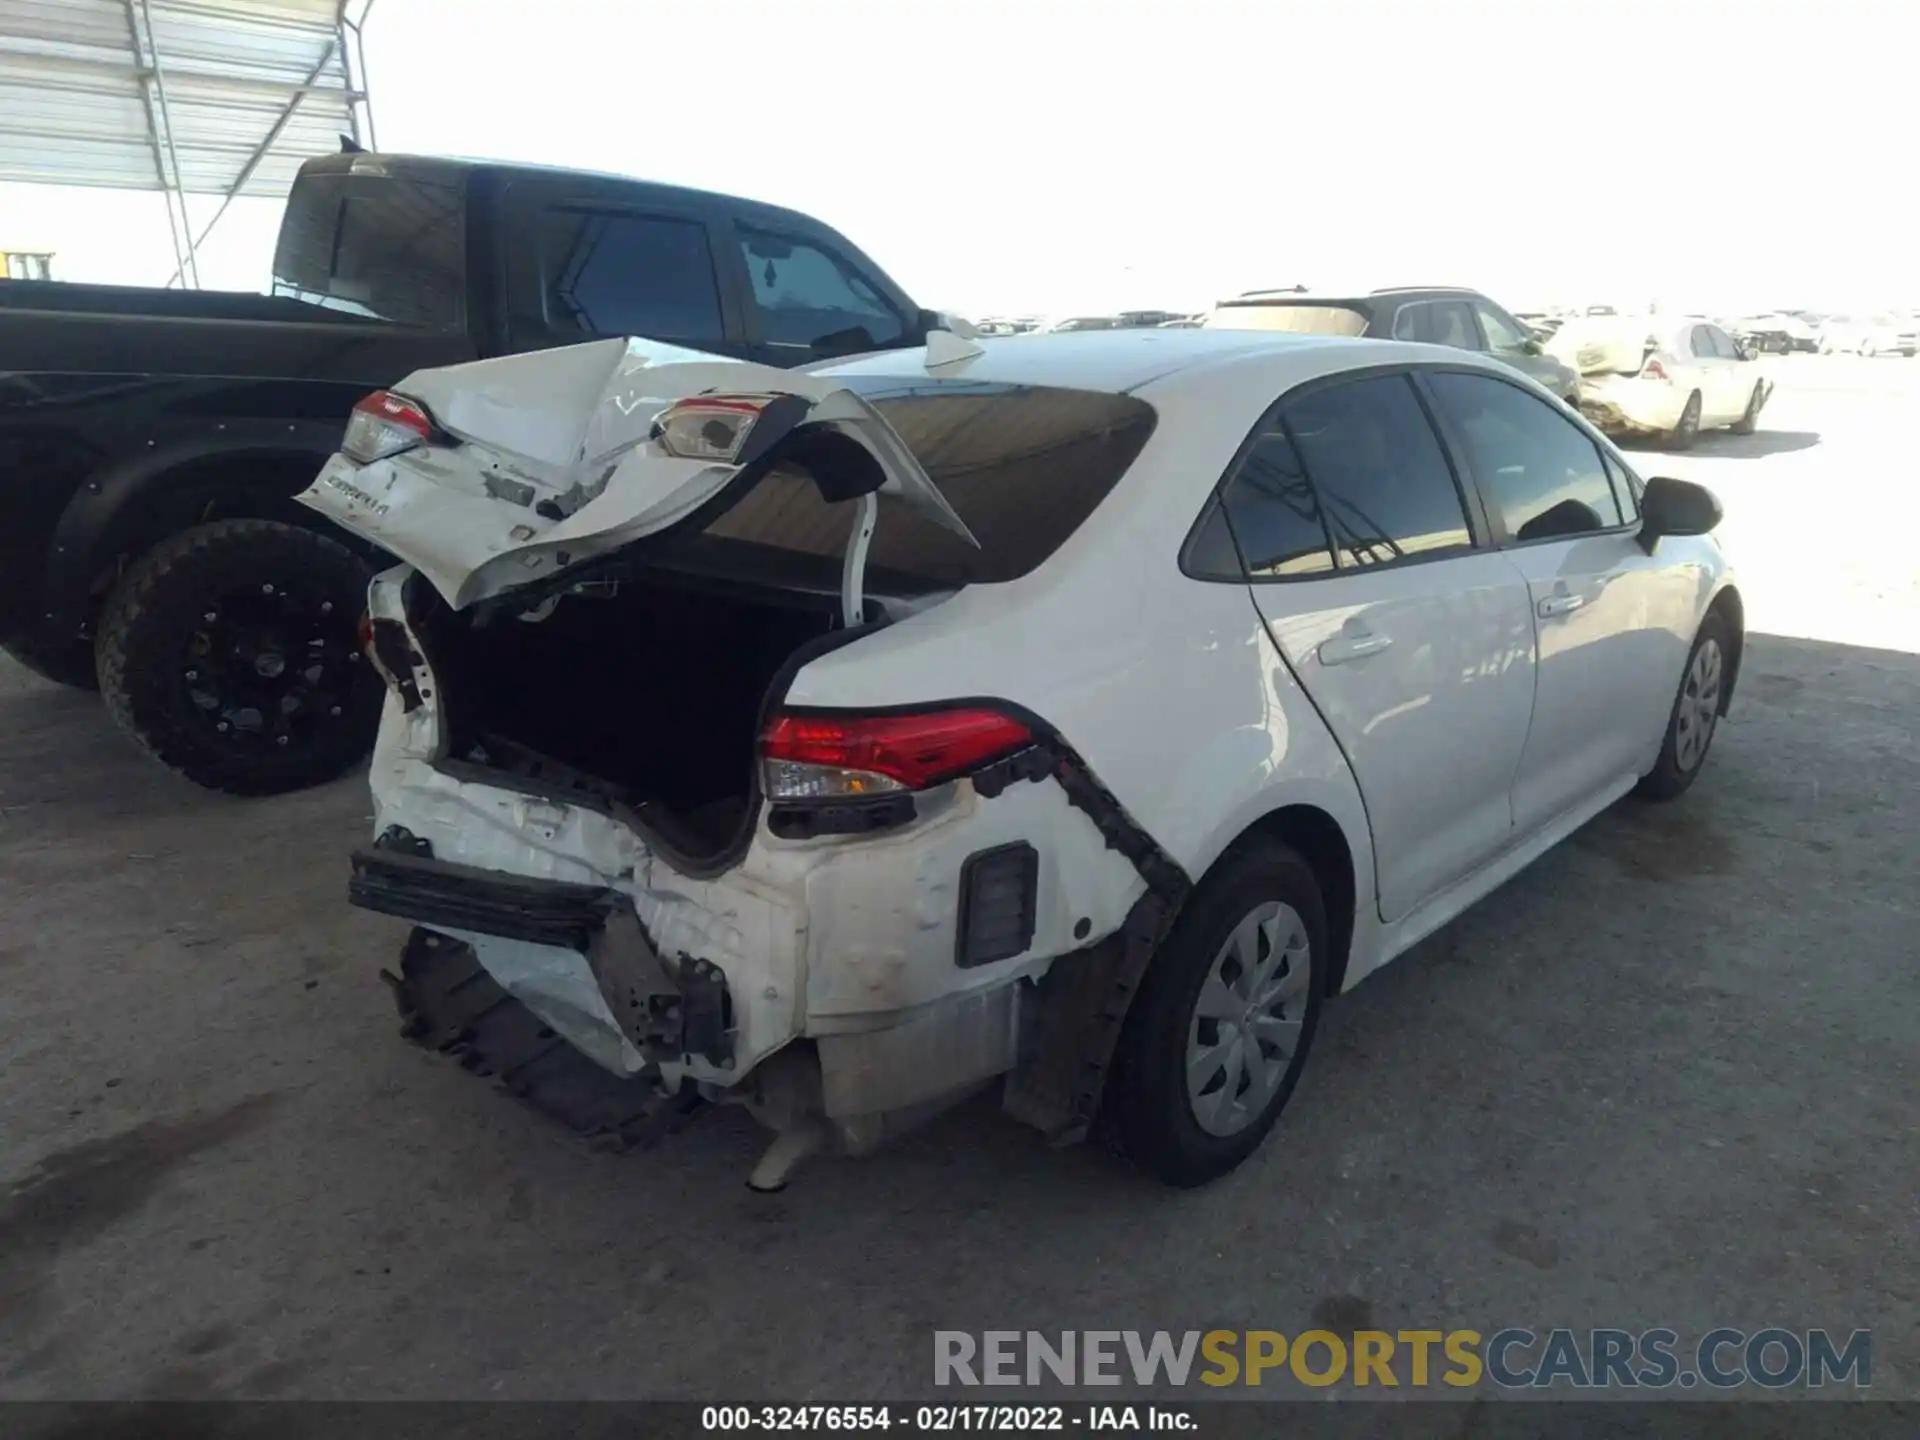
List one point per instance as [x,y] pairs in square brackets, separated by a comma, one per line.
[1868,349]
[1749,420]
[1216,1039]
[230,652]
[1695,715]
[1686,429]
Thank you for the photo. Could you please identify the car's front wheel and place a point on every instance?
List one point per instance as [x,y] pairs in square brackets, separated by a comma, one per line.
[1695,715]
[1220,1030]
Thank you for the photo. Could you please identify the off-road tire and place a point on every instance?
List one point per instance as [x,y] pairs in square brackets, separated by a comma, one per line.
[449,1004]
[1147,1104]
[1668,780]
[63,662]
[1749,420]
[152,614]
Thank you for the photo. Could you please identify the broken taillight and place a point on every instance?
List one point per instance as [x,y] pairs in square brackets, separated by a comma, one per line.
[708,427]
[839,757]
[1653,369]
[384,425]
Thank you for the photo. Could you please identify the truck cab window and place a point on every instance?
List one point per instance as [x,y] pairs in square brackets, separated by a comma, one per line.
[810,297]
[605,273]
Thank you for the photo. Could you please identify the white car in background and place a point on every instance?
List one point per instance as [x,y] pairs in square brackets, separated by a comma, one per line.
[1870,335]
[1075,713]
[1662,378]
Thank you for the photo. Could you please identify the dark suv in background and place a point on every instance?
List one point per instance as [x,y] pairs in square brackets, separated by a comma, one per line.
[1433,315]
[151,441]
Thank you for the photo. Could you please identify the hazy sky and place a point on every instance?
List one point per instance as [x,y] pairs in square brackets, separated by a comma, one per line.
[1057,156]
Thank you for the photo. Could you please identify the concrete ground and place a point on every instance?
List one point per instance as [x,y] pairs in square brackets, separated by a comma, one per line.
[1666,1077]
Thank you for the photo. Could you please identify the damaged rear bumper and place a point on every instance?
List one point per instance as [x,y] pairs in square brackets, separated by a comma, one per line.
[575,955]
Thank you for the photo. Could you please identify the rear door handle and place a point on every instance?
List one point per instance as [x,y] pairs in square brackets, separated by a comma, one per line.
[1560,605]
[1343,648]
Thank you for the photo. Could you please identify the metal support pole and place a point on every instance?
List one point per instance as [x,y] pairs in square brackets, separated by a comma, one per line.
[176,223]
[173,155]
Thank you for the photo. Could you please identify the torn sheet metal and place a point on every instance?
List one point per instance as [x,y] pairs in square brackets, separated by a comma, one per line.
[559,986]
[558,461]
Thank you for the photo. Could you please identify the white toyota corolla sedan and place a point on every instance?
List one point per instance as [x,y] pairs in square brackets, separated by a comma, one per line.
[1070,713]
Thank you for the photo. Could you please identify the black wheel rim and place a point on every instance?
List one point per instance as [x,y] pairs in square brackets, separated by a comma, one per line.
[273,668]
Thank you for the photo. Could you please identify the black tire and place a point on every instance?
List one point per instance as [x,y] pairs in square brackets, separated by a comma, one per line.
[1672,774]
[63,662]
[1749,420]
[1147,1102]
[197,647]
[1686,429]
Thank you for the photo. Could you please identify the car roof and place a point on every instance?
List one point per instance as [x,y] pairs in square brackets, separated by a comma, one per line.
[1122,361]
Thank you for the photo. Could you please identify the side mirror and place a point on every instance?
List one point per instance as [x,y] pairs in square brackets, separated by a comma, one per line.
[1676,507]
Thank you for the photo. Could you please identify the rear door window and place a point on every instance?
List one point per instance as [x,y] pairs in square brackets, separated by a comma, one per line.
[1384,484]
[1543,475]
[607,273]
[1290,319]
[813,299]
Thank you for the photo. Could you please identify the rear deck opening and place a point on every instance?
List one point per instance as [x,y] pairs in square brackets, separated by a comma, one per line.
[640,684]
[644,692]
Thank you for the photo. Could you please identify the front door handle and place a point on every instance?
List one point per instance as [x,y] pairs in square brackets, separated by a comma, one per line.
[1343,648]
[1560,605]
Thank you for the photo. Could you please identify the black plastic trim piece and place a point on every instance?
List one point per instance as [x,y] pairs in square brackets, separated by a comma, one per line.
[487,902]
[804,819]
[1029,878]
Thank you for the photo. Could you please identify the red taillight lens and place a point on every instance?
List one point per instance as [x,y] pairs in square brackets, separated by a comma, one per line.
[385,424]
[1653,369]
[366,633]
[818,757]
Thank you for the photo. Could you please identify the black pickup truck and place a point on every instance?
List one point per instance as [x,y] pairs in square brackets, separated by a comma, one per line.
[151,440]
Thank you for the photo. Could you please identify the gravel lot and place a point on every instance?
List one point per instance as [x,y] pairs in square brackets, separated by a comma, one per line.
[1667,1076]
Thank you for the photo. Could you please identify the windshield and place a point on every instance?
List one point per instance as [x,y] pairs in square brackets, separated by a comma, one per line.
[382,247]
[1291,319]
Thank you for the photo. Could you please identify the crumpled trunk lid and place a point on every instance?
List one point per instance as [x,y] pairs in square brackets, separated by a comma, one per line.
[555,457]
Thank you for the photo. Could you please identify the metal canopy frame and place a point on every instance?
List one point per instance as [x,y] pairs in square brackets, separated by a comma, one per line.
[187,97]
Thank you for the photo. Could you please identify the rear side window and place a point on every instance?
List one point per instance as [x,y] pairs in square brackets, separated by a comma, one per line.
[1437,322]
[811,297]
[1024,466]
[1348,320]
[606,273]
[382,247]
[1383,480]
[1544,475]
